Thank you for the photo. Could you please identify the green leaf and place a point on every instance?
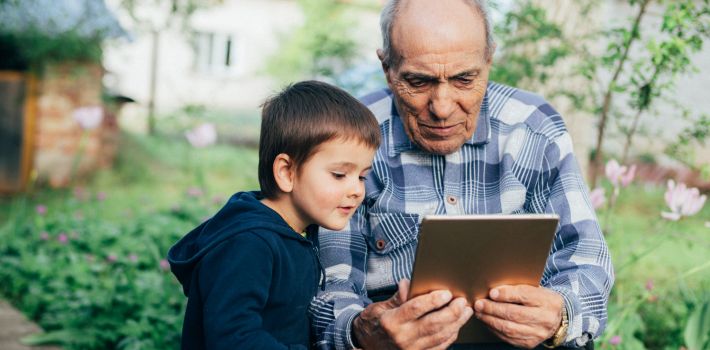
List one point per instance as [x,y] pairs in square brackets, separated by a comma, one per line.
[697,331]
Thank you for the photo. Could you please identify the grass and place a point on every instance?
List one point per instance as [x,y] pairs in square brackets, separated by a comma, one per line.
[147,208]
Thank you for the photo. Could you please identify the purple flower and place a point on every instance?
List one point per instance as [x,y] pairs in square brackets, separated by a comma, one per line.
[164,265]
[133,258]
[101,196]
[41,209]
[615,340]
[194,192]
[682,201]
[597,197]
[62,238]
[111,258]
[44,235]
[202,136]
[79,193]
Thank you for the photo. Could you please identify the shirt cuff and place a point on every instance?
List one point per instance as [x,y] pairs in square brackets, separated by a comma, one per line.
[343,325]
[575,337]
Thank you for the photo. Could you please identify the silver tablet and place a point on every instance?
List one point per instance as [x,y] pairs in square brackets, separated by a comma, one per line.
[471,254]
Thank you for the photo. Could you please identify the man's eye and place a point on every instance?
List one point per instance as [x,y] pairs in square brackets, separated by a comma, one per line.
[464,81]
[417,83]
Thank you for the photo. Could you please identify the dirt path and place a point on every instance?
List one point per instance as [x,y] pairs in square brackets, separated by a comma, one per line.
[13,326]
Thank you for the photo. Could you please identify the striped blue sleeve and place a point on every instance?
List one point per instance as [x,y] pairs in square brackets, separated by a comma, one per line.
[579,266]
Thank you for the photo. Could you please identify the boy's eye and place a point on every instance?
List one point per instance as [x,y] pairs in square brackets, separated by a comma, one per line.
[362,178]
[338,175]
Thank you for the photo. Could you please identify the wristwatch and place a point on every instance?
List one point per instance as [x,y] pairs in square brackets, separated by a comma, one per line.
[559,337]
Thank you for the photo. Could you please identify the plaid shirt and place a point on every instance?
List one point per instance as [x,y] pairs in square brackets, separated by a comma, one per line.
[519,160]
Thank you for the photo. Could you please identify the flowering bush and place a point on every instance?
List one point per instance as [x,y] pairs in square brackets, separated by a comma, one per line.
[93,283]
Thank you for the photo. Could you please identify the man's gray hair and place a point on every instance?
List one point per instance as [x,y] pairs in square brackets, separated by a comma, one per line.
[390,11]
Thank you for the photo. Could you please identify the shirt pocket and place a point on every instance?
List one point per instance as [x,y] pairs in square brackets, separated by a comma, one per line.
[391,231]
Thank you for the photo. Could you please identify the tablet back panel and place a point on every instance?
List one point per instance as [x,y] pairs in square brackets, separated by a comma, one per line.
[469,255]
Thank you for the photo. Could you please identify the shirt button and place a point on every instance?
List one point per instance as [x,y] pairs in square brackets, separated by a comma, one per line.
[380,244]
[451,200]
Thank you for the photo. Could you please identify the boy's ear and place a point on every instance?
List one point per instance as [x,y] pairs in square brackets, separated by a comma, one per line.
[284,172]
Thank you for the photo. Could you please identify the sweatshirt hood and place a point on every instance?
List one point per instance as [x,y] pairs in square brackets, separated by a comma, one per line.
[243,212]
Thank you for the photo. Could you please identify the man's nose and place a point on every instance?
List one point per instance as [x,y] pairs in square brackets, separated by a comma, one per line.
[441,103]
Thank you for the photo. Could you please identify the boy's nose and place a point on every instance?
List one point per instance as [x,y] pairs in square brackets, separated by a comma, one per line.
[358,189]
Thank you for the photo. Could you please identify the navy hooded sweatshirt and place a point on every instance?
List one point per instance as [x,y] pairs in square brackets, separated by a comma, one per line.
[249,279]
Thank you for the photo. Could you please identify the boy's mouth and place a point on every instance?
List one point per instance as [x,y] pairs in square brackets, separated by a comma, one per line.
[346,209]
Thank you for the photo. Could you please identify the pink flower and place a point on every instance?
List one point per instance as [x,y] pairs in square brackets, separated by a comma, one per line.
[62,238]
[133,258]
[217,200]
[44,235]
[618,174]
[88,117]
[101,196]
[111,258]
[597,197]
[41,209]
[615,340]
[202,136]
[682,201]
[164,265]
[628,176]
[194,192]
[649,285]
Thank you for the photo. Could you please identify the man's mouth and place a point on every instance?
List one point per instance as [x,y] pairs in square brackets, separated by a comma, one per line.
[440,131]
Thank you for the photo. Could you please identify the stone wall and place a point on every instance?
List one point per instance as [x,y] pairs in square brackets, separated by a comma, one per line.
[63,148]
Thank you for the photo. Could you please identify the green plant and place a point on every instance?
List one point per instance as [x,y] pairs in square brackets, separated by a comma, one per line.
[322,47]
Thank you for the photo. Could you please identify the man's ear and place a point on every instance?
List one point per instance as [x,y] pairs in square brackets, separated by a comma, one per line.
[284,172]
[385,67]
[492,53]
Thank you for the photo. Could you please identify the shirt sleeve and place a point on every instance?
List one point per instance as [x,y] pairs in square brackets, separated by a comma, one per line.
[344,257]
[234,281]
[579,266]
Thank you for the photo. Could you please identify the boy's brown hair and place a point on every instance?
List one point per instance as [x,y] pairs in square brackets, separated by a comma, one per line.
[303,116]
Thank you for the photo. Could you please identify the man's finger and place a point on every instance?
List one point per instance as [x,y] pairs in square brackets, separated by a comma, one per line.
[512,332]
[439,326]
[518,294]
[423,304]
[507,311]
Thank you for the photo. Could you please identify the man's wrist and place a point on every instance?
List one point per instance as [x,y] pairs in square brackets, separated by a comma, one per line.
[560,335]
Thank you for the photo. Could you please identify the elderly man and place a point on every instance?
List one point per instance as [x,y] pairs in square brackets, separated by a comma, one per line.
[455,143]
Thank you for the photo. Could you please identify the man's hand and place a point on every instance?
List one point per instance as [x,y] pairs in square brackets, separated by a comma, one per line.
[430,321]
[521,315]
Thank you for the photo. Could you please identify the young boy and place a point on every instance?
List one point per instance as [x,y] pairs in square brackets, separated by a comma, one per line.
[251,270]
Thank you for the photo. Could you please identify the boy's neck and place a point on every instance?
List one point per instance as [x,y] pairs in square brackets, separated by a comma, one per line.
[282,206]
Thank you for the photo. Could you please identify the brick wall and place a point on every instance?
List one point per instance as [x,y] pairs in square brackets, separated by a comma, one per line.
[63,149]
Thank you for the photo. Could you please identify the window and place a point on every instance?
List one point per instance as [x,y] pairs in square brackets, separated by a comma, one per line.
[216,53]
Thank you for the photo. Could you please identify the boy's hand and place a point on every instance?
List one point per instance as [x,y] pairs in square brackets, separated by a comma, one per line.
[430,321]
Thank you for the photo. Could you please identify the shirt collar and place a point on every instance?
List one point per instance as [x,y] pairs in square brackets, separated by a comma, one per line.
[401,142]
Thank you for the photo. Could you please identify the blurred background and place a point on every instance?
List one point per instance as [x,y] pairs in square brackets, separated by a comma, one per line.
[125,123]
